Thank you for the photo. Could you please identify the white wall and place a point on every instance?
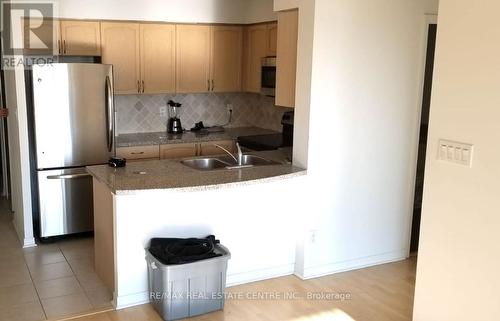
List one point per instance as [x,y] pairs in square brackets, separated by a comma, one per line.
[367,68]
[259,11]
[18,152]
[458,264]
[431,6]
[248,219]
[207,11]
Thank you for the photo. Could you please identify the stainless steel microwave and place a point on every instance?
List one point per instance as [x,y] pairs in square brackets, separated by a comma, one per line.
[268,76]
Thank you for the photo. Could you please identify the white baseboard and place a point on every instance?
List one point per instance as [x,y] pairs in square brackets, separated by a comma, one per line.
[259,275]
[29,242]
[359,263]
[126,301]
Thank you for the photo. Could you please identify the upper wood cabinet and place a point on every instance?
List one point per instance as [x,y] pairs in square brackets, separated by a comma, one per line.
[80,38]
[193,58]
[272,40]
[157,58]
[256,48]
[226,54]
[120,47]
[45,40]
[62,37]
[286,62]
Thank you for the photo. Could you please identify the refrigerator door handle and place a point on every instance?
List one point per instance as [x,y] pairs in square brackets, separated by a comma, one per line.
[109,113]
[68,176]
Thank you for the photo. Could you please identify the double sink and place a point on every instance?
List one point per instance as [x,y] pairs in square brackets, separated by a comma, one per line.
[227,162]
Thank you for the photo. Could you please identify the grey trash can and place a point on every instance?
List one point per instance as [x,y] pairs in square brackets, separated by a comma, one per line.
[187,290]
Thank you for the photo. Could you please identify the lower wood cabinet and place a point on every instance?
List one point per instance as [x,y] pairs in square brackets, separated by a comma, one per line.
[136,153]
[209,149]
[172,151]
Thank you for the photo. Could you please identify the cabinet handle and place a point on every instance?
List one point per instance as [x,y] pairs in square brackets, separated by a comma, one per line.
[137,153]
[59,46]
[143,86]
[213,85]
[64,46]
[208,81]
[138,86]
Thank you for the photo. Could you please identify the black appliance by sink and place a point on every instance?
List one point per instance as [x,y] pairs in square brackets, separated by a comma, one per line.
[271,141]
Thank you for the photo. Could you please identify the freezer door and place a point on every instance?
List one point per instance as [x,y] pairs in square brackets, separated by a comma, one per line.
[66,202]
[73,114]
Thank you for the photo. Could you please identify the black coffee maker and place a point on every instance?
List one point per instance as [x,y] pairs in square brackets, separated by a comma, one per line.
[174,125]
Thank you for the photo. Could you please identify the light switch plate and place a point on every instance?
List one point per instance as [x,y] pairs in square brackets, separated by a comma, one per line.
[455,152]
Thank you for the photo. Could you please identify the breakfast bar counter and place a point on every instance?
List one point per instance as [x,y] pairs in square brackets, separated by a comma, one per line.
[138,177]
[166,198]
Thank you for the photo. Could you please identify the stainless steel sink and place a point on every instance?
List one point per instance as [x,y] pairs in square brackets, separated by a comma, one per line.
[248,160]
[205,164]
[221,162]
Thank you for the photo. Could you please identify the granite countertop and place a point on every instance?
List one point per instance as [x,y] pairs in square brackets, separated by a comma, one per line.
[172,175]
[161,138]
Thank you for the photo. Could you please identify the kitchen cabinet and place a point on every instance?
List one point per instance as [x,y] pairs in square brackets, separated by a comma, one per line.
[173,151]
[226,53]
[272,38]
[208,58]
[120,47]
[157,56]
[135,153]
[143,56]
[208,148]
[66,37]
[286,62]
[80,38]
[193,58]
[45,41]
[256,48]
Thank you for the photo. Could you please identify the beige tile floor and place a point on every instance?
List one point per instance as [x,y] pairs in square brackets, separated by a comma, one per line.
[47,281]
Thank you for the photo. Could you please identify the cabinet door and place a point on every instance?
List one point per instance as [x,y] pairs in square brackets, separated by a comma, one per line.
[139,152]
[41,38]
[193,58]
[256,49]
[158,58]
[120,47]
[272,32]
[173,151]
[286,62]
[81,38]
[227,45]
[208,148]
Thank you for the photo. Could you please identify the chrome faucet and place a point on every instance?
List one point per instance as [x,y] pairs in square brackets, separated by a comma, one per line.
[239,160]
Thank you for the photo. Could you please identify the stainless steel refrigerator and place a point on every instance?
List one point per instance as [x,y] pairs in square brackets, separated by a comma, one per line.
[73,120]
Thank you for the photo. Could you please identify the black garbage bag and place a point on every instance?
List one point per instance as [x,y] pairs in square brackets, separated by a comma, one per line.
[181,251]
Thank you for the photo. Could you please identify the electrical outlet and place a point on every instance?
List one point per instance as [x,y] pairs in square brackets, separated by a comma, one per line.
[163,111]
[312,236]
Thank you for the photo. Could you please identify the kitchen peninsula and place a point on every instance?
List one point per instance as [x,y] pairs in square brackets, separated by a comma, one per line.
[165,198]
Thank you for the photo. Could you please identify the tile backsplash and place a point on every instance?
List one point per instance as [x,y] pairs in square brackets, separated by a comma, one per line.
[141,113]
